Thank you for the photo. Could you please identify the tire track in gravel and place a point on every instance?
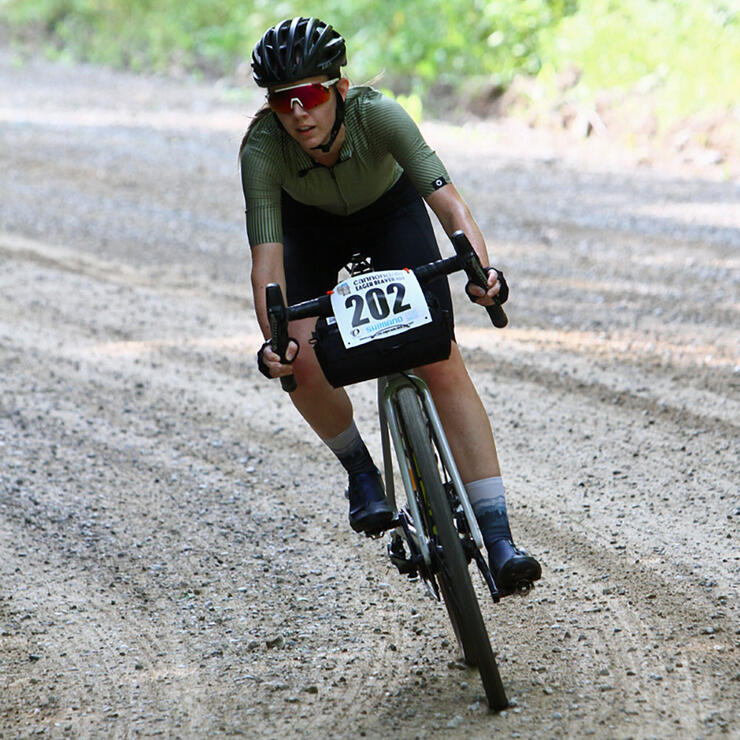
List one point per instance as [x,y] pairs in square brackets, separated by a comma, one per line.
[166,389]
[145,460]
[670,628]
[633,401]
[129,389]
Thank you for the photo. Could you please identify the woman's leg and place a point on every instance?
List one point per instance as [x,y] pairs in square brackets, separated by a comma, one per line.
[407,240]
[463,416]
[327,410]
[313,254]
[469,434]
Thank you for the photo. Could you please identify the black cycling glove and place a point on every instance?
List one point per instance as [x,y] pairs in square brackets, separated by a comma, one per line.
[261,363]
[503,291]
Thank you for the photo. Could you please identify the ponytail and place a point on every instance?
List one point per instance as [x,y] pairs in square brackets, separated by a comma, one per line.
[258,116]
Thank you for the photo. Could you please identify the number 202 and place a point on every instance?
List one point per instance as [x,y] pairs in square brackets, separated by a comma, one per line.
[377,303]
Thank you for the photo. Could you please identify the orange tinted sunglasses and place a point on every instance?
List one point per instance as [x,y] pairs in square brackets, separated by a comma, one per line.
[308,95]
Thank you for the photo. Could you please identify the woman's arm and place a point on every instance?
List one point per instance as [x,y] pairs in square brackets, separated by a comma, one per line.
[267,267]
[453,213]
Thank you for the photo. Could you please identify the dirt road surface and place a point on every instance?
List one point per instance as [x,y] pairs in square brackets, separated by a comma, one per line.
[174,554]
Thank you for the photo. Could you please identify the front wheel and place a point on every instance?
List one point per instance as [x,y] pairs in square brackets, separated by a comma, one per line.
[452,567]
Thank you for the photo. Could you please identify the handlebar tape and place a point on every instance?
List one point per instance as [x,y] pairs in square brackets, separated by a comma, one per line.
[277,317]
[477,275]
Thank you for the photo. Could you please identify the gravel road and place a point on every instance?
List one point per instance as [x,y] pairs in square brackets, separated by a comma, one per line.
[174,553]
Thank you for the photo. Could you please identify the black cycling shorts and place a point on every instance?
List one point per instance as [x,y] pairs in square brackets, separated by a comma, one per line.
[395,232]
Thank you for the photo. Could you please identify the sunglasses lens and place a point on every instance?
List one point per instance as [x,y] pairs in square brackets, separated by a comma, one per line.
[309,96]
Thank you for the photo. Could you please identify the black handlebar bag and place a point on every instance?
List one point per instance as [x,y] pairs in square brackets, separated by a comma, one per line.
[410,349]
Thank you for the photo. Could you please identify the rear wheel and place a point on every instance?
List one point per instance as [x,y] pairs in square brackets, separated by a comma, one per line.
[451,564]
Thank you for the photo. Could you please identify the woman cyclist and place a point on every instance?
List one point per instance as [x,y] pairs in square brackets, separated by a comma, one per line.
[329,170]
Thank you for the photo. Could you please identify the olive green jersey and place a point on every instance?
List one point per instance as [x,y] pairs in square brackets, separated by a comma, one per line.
[381,142]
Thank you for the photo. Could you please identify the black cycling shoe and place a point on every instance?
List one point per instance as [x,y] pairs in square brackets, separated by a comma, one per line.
[513,568]
[369,511]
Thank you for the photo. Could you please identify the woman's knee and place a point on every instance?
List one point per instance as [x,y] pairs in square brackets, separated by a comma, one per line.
[449,373]
[307,370]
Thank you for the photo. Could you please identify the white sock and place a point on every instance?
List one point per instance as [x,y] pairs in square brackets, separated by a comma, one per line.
[489,504]
[350,450]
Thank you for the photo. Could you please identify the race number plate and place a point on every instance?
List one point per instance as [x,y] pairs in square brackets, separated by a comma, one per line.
[378,304]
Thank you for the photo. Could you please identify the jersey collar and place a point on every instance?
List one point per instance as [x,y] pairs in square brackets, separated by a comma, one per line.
[306,164]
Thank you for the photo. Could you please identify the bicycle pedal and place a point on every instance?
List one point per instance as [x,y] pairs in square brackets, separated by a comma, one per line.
[525,588]
[522,588]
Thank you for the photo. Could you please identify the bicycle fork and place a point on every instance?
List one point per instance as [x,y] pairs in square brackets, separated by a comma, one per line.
[390,432]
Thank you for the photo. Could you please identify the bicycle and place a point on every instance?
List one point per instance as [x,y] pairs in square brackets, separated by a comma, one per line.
[435,536]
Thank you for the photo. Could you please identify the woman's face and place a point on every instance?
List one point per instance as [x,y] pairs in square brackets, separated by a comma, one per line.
[311,127]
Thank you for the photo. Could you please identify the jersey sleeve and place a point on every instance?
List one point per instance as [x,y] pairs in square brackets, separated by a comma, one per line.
[262,189]
[389,126]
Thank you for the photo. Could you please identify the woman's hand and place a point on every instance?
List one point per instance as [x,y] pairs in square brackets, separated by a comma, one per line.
[497,292]
[270,364]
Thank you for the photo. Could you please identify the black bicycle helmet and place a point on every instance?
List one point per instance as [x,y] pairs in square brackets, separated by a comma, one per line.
[297,48]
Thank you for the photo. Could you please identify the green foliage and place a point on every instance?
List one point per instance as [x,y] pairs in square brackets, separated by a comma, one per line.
[425,42]
[690,49]
[687,52]
[415,42]
[411,103]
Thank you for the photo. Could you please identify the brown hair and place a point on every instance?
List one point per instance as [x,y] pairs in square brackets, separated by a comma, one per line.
[258,116]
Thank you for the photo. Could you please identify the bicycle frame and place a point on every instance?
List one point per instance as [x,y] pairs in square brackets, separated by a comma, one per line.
[390,430]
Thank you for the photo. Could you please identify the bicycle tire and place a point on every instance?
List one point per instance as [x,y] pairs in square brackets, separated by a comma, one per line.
[454,577]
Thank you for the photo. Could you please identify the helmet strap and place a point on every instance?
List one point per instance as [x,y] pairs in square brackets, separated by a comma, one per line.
[338,121]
